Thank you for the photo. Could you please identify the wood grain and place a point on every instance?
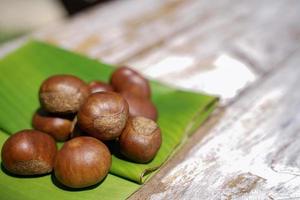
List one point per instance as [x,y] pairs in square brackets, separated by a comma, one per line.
[179,42]
[244,51]
[237,32]
[252,153]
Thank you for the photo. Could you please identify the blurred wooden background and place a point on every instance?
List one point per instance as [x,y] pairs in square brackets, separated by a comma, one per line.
[246,52]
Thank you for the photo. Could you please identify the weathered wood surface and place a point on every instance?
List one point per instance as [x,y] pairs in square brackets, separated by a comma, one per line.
[243,36]
[250,147]
[252,152]
[189,44]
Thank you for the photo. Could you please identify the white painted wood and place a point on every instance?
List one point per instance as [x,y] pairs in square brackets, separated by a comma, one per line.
[249,32]
[178,42]
[220,48]
[252,153]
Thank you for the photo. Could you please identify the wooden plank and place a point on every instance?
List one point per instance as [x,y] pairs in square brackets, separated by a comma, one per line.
[245,154]
[242,27]
[253,152]
[180,42]
[136,26]
[239,35]
[115,25]
[129,33]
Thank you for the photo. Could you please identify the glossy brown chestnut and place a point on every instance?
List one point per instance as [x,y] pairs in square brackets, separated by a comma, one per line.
[140,106]
[140,140]
[58,127]
[128,80]
[62,94]
[82,162]
[103,115]
[29,152]
[99,86]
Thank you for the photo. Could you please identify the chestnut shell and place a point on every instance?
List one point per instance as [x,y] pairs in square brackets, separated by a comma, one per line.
[29,152]
[103,115]
[82,162]
[99,86]
[58,127]
[140,106]
[129,80]
[140,140]
[62,94]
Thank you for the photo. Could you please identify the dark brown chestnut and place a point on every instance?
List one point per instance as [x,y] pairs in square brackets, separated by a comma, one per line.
[82,162]
[140,140]
[99,86]
[103,115]
[128,80]
[29,152]
[58,127]
[63,94]
[140,106]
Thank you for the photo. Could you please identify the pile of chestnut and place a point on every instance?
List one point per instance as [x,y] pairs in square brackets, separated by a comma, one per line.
[86,117]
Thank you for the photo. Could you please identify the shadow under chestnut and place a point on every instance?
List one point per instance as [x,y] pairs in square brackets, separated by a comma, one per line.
[66,188]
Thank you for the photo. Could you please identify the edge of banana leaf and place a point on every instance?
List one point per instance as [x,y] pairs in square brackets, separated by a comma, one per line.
[196,121]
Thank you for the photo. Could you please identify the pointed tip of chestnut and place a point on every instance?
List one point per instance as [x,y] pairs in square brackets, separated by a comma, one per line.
[29,152]
[129,80]
[62,94]
[140,140]
[82,162]
[103,115]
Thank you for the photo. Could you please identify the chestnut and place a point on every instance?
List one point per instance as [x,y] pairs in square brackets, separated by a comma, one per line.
[140,106]
[126,79]
[62,94]
[82,162]
[140,140]
[29,152]
[98,86]
[103,115]
[58,127]
[77,132]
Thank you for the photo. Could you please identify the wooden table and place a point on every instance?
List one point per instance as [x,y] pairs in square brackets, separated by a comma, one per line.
[246,52]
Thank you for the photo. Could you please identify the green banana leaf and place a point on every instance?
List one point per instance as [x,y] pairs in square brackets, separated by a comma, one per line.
[21,74]
[22,188]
